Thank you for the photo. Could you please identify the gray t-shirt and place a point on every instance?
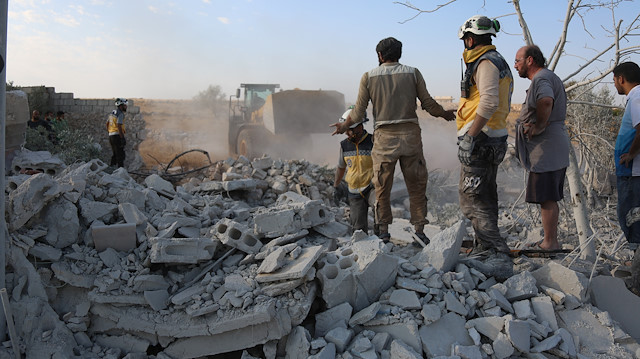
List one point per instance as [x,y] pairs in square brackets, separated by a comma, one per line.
[548,151]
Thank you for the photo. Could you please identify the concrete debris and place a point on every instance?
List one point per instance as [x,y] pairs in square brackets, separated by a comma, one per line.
[256,261]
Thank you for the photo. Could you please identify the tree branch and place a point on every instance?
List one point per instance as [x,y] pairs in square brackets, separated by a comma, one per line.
[557,51]
[594,104]
[420,11]
[523,24]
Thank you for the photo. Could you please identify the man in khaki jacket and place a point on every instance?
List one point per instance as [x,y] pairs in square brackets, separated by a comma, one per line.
[393,88]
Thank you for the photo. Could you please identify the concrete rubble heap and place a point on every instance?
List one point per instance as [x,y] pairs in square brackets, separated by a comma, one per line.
[254,259]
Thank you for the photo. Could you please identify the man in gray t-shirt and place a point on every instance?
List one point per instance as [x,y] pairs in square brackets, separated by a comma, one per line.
[542,142]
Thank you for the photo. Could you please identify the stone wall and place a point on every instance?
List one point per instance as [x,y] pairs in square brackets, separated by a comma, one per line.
[88,116]
[65,101]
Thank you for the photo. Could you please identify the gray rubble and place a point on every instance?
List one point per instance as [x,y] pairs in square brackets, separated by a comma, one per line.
[255,259]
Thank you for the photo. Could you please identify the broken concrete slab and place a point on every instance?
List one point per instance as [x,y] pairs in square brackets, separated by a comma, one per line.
[61,220]
[487,326]
[559,277]
[405,299]
[158,184]
[407,331]
[623,306]
[442,253]
[543,309]
[331,318]
[365,314]
[294,268]
[401,350]
[521,286]
[438,337]
[30,198]
[519,334]
[332,230]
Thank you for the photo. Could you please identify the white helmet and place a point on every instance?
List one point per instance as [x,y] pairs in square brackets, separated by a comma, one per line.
[479,25]
[346,114]
[121,101]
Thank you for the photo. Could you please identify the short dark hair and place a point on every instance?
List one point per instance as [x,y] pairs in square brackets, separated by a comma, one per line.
[484,39]
[629,70]
[390,49]
[536,54]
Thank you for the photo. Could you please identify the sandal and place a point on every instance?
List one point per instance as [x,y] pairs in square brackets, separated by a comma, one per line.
[535,247]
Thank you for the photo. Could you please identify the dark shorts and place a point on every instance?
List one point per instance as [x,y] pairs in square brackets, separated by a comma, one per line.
[545,186]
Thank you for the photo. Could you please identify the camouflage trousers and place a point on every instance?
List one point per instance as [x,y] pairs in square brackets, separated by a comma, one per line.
[478,193]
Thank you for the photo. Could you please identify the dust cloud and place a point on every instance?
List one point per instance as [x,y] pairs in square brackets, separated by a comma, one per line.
[176,126]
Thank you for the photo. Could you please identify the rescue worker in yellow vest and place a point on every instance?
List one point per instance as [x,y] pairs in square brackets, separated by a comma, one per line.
[355,159]
[481,121]
[115,127]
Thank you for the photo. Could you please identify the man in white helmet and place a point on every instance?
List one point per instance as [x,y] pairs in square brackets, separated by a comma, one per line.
[115,128]
[481,121]
[393,89]
[355,160]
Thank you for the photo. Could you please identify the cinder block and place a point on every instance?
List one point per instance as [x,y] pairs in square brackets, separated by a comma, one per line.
[121,237]
[181,250]
[237,235]
[275,222]
[335,272]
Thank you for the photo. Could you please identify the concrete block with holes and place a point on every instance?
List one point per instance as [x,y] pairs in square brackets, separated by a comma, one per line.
[357,274]
[236,235]
[182,250]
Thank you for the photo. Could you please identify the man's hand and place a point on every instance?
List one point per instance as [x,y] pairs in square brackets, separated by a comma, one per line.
[340,193]
[530,130]
[341,127]
[465,148]
[449,115]
[625,159]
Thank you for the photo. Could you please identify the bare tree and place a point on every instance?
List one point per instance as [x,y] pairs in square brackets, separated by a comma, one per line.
[579,82]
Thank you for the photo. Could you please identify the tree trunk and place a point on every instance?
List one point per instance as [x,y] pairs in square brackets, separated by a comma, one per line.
[580,212]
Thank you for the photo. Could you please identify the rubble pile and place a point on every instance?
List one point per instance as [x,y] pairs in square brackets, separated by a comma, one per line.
[254,261]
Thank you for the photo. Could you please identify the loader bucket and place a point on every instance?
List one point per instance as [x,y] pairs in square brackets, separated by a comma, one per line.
[302,111]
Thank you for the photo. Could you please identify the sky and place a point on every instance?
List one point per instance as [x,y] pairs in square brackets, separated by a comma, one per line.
[169,49]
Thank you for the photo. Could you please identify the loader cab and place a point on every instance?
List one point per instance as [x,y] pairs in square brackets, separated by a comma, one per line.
[255,95]
[243,127]
[253,99]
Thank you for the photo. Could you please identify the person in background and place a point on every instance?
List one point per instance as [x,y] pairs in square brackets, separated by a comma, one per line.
[626,79]
[60,116]
[481,122]
[48,116]
[116,130]
[542,141]
[37,121]
[393,88]
[355,160]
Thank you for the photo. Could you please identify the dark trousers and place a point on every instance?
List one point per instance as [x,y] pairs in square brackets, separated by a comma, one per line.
[628,198]
[117,146]
[478,192]
[359,204]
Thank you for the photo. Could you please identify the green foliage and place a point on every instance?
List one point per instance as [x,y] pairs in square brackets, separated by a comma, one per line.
[211,98]
[38,99]
[11,87]
[69,144]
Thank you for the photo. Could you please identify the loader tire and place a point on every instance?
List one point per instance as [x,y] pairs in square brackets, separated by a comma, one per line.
[251,143]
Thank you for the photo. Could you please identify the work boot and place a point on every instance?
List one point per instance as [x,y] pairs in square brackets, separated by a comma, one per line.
[423,237]
[497,264]
[383,232]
